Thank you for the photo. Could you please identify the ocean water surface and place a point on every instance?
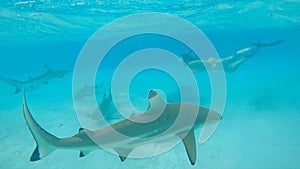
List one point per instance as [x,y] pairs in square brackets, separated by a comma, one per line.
[260,124]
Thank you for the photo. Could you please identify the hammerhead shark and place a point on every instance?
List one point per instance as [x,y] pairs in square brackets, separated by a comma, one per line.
[33,81]
[135,131]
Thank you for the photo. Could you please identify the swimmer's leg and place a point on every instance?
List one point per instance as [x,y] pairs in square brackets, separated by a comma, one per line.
[232,66]
[197,65]
[269,44]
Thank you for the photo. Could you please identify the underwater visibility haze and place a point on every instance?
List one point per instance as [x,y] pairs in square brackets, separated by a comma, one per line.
[234,88]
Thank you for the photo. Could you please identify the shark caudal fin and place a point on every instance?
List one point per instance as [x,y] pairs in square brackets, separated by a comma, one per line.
[19,85]
[45,142]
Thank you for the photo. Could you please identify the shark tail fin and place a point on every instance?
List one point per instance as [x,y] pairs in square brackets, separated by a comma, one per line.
[46,143]
[19,85]
[40,152]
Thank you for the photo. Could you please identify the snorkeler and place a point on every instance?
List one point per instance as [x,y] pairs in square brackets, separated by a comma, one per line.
[230,63]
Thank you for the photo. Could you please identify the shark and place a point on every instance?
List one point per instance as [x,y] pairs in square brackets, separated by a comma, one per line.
[134,129]
[34,81]
[106,108]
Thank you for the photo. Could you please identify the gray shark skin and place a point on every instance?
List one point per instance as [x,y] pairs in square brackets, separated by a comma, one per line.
[33,81]
[47,143]
[107,108]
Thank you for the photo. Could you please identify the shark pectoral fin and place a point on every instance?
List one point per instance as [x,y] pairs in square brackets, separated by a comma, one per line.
[190,145]
[123,153]
[123,158]
[83,153]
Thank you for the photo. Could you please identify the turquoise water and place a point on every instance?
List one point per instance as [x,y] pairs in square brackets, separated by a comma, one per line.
[260,125]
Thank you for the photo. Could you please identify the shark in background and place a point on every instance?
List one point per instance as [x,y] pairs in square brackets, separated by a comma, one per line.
[46,143]
[107,108]
[49,74]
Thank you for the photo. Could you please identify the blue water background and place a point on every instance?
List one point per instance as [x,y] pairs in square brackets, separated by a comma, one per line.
[260,126]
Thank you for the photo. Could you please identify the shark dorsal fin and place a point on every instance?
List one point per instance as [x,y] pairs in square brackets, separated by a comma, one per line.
[155,101]
[188,139]
[48,69]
